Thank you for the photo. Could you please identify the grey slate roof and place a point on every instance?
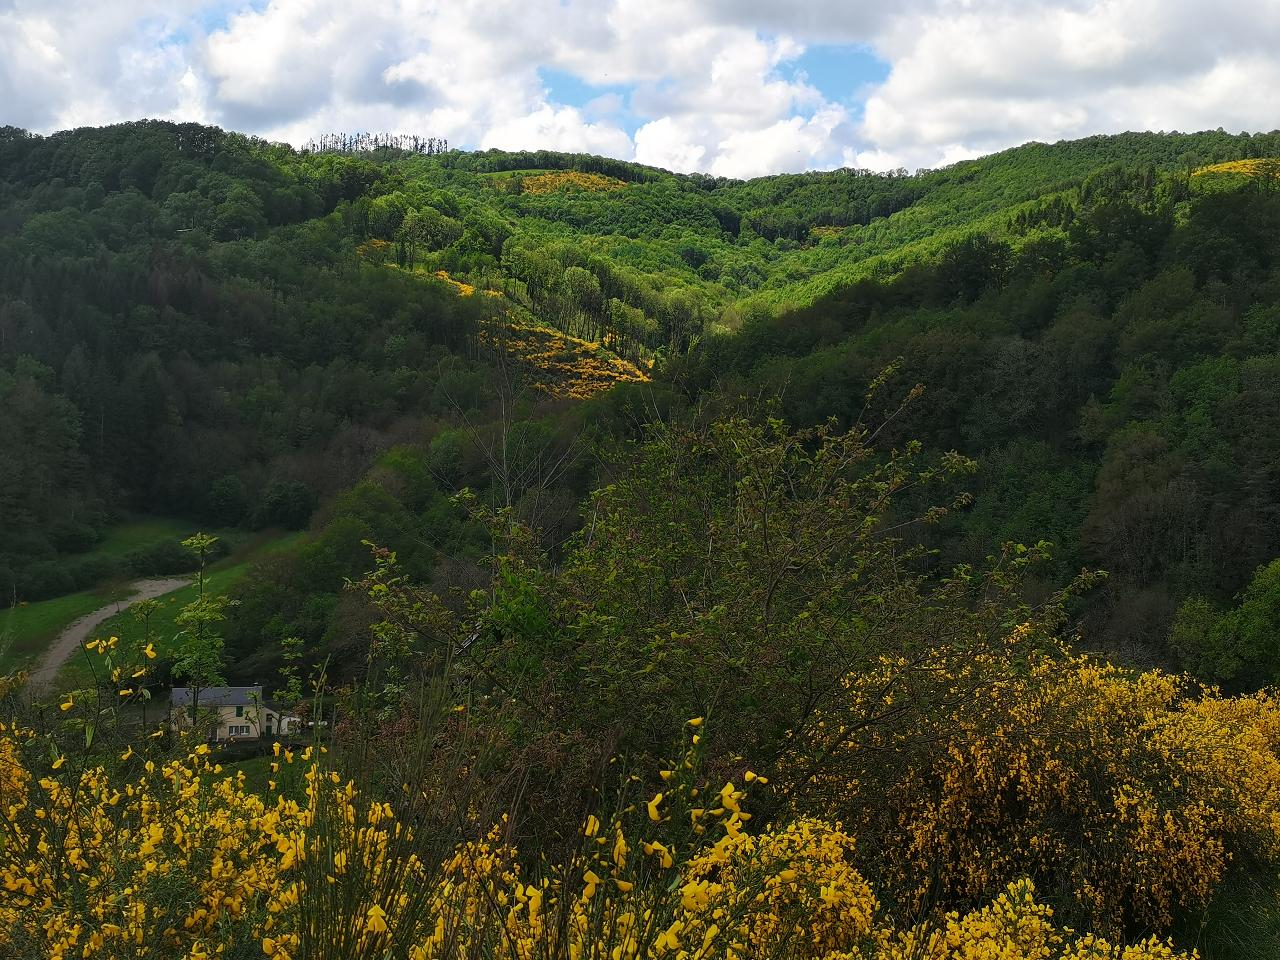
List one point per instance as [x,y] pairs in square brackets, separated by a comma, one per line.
[218,696]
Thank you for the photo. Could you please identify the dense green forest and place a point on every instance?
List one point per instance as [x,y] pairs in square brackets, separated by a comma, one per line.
[200,324]
[1115,378]
[571,490]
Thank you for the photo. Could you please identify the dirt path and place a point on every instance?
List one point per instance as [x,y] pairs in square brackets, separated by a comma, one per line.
[73,637]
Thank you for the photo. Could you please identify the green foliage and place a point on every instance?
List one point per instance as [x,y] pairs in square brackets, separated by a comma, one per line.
[26,629]
[192,335]
[735,568]
[204,324]
[1256,619]
[1240,642]
[1199,641]
[1113,388]
[692,588]
[229,576]
[198,645]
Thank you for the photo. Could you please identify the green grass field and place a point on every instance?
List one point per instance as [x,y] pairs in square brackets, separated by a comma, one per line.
[219,579]
[25,630]
[256,770]
[139,533]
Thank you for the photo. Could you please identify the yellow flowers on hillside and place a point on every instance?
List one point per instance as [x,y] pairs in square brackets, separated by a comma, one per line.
[375,250]
[1013,926]
[570,180]
[185,861]
[557,364]
[561,365]
[1235,174]
[1255,167]
[1134,790]
[461,288]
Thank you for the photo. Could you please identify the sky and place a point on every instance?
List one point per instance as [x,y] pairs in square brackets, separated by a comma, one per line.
[736,88]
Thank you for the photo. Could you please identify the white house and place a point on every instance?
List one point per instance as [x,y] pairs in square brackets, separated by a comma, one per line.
[232,713]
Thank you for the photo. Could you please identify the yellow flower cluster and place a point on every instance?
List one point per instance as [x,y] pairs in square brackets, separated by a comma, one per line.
[790,893]
[1013,926]
[161,866]
[184,861]
[824,232]
[374,250]
[461,288]
[1256,167]
[561,365]
[1136,790]
[13,775]
[570,180]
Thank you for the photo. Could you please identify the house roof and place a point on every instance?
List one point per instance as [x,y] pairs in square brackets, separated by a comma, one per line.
[218,696]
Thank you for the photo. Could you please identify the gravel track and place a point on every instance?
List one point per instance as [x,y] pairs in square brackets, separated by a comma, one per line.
[77,634]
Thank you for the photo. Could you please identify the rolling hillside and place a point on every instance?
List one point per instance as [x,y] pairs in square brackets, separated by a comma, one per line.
[929,519]
[198,323]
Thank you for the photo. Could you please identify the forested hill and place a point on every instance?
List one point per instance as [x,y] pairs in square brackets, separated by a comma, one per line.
[201,324]
[1111,358]
[638,565]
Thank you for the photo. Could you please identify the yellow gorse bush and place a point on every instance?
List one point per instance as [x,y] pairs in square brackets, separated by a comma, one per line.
[557,363]
[570,180]
[1254,167]
[182,860]
[151,867]
[462,288]
[562,365]
[788,893]
[13,775]
[1013,926]
[1135,791]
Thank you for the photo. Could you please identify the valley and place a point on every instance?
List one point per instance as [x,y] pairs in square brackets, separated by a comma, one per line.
[582,511]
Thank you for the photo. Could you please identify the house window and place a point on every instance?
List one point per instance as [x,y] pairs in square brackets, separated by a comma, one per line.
[239,712]
[238,730]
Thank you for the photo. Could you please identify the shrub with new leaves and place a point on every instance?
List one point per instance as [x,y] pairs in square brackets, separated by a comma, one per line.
[742,567]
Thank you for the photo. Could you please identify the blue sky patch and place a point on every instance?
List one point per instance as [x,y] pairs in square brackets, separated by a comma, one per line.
[572,91]
[217,15]
[842,73]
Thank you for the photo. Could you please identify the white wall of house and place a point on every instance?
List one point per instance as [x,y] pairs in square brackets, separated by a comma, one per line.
[248,722]
[240,723]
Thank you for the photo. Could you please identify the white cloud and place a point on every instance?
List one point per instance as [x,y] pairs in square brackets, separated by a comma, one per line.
[668,143]
[791,144]
[707,85]
[557,128]
[65,64]
[983,75]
